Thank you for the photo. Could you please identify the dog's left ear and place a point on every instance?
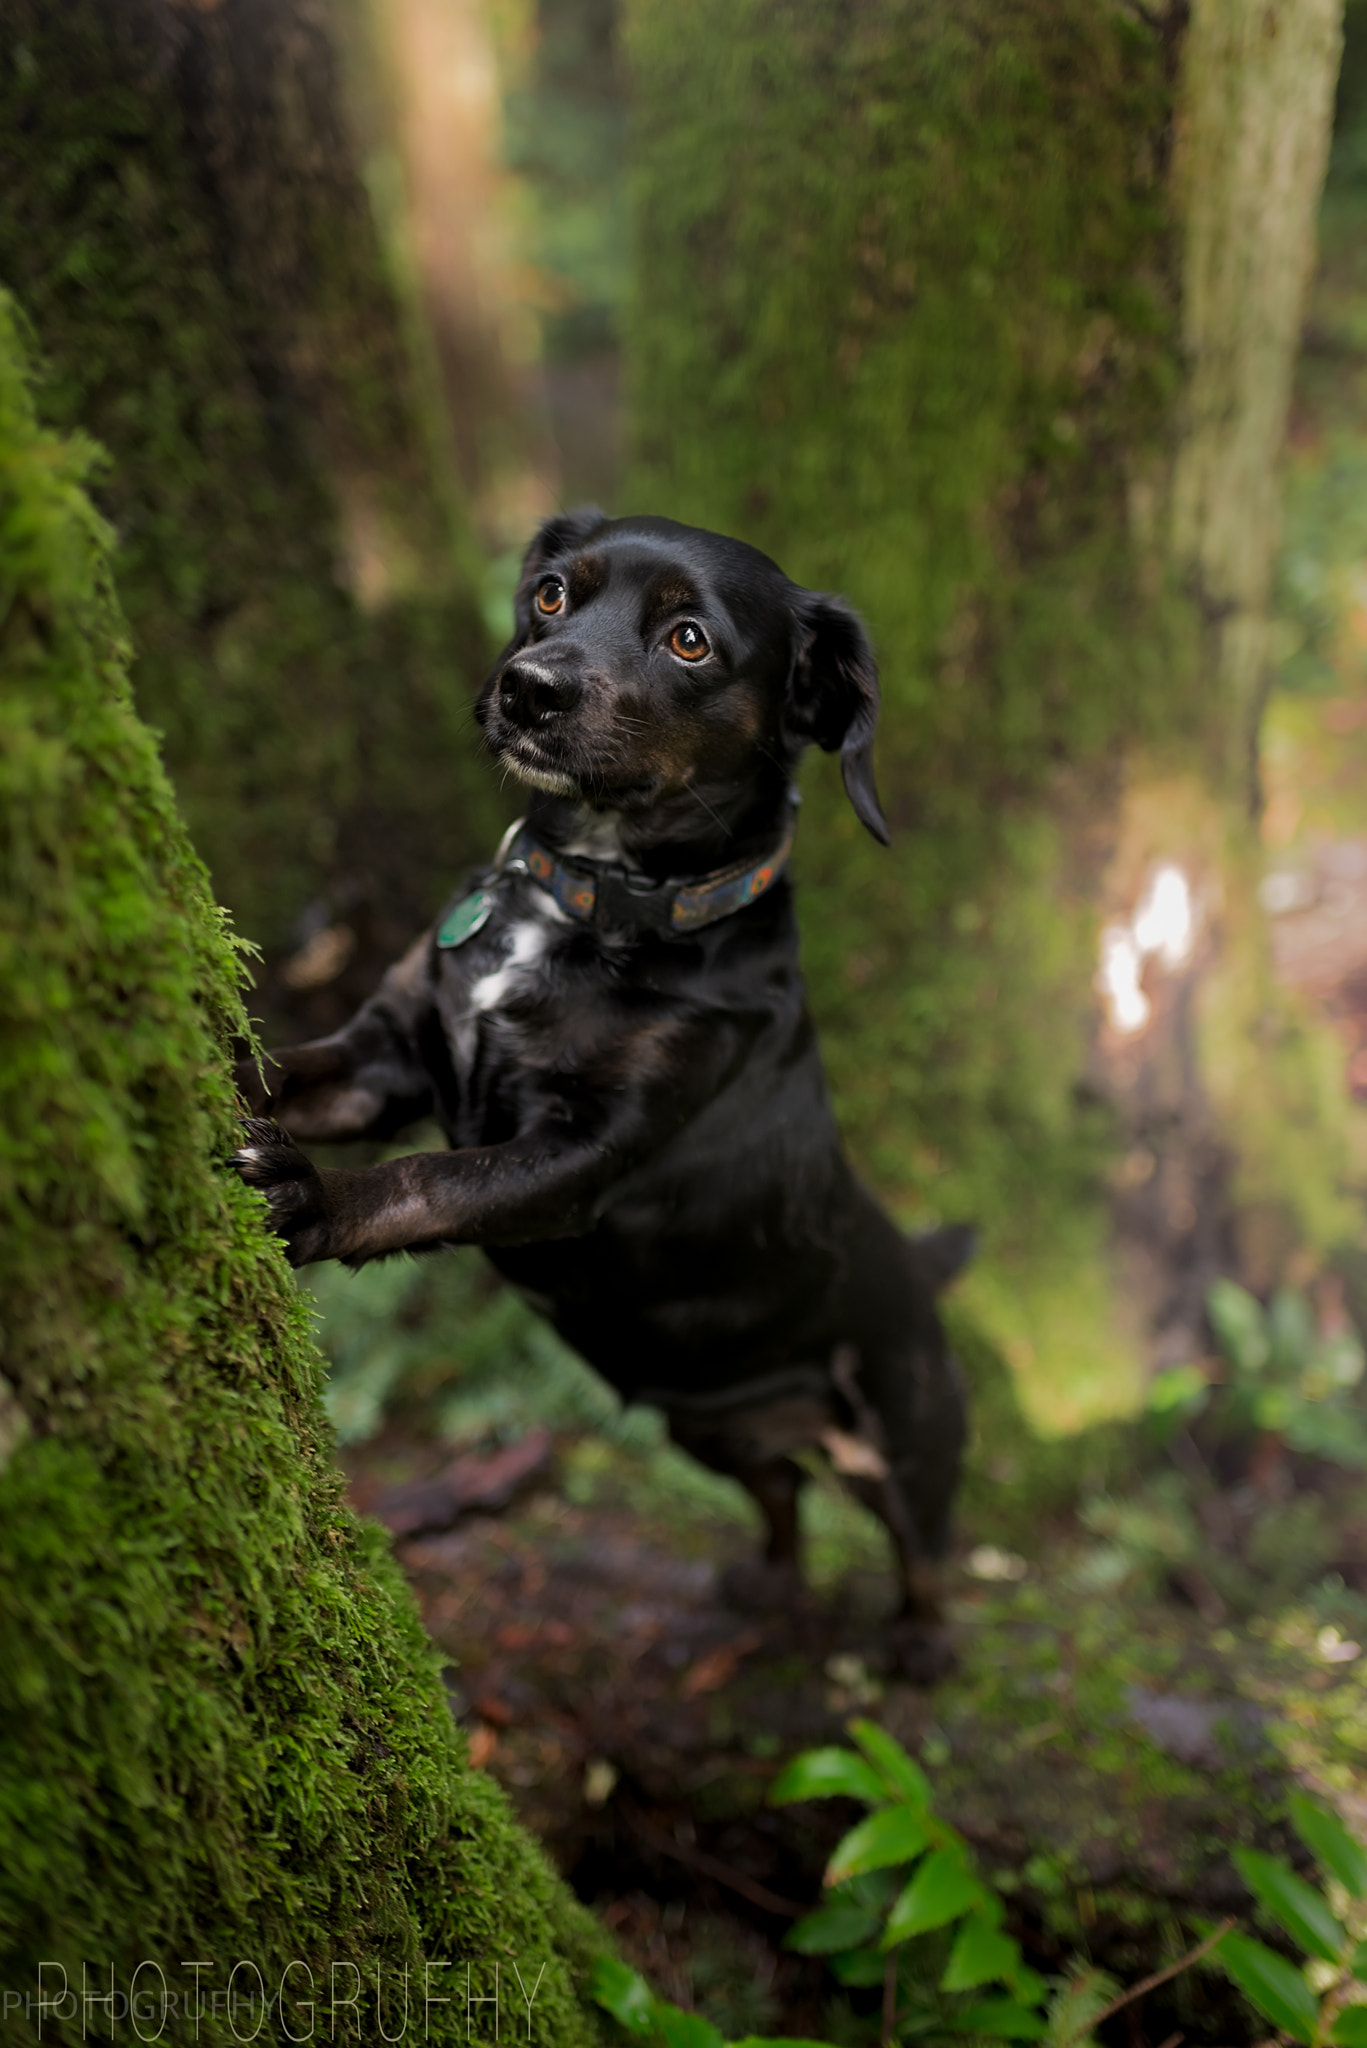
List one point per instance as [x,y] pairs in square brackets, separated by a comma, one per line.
[833,697]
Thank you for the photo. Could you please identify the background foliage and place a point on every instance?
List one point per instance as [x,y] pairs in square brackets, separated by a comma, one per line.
[187,228]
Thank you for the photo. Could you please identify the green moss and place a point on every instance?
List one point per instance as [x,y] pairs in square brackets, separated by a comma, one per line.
[1302,1141]
[187,231]
[223,1736]
[1325,537]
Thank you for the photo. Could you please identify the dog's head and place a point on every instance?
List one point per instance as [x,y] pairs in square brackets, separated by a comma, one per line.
[653,663]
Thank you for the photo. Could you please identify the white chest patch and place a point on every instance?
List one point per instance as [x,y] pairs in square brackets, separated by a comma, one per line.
[526,947]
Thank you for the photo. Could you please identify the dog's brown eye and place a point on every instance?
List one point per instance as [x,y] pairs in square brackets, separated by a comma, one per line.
[550,598]
[689,642]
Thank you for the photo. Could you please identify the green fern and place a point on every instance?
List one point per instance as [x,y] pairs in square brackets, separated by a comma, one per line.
[1324,2001]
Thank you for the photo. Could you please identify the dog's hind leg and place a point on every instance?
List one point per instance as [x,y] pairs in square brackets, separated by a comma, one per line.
[774,1579]
[903,1383]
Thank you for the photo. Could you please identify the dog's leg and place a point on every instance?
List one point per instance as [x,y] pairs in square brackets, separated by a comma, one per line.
[908,1386]
[365,1081]
[547,1182]
[774,1578]
[912,1502]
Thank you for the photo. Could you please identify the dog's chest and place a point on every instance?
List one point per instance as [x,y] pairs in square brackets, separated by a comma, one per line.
[509,986]
[500,987]
[524,1007]
[498,983]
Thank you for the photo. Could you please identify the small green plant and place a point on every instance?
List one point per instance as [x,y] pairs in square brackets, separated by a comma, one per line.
[624,1993]
[908,1911]
[1326,1999]
[1286,1379]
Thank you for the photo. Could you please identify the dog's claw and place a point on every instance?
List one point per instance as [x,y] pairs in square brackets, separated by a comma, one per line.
[260,1136]
[270,1162]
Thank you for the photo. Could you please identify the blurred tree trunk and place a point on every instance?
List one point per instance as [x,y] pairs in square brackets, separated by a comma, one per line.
[224,1745]
[435,107]
[187,225]
[986,316]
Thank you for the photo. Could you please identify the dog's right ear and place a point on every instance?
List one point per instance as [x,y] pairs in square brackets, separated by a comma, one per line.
[833,697]
[564,530]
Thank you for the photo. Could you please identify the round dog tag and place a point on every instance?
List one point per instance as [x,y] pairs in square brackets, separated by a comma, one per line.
[468,916]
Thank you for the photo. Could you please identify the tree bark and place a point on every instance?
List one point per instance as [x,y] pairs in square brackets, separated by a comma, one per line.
[986,317]
[227,1764]
[1254,118]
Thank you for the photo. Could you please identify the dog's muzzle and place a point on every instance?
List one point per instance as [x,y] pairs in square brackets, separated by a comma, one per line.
[532,695]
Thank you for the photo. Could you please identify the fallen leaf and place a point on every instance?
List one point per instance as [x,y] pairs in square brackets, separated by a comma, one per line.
[483,1743]
[715,1667]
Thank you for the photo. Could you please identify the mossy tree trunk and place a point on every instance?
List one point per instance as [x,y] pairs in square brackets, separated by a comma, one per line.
[225,1753]
[986,316]
[187,226]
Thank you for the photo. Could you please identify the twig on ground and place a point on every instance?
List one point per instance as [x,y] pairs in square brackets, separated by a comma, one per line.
[1152,1983]
[709,1866]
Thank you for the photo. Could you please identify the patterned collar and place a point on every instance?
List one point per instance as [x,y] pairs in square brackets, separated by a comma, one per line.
[612,895]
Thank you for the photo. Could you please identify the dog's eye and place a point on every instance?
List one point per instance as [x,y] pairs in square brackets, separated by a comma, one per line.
[689,642]
[550,597]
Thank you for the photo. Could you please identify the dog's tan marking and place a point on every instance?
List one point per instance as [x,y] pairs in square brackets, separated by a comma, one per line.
[586,576]
[852,1456]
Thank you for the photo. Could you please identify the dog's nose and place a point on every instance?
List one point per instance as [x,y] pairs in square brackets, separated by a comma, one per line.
[532,695]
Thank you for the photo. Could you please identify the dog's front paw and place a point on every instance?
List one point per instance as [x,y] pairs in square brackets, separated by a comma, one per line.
[269,1161]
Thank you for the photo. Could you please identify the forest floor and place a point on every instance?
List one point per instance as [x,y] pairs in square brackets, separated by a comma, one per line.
[1115,1724]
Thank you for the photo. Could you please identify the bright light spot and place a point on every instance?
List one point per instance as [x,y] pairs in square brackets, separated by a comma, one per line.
[1118,979]
[1163,923]
[987,1562]
[1334,1649]
[1163,927]
[600,1781]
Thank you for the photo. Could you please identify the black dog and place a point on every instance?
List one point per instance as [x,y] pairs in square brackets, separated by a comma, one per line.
[611,1027]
